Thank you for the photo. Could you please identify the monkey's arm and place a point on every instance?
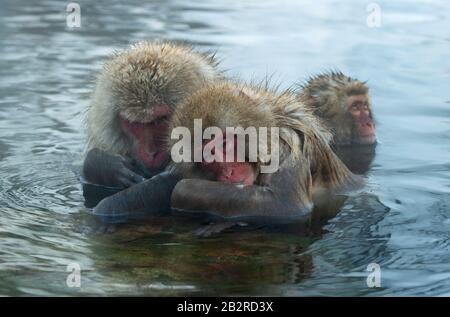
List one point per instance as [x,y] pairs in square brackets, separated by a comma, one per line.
[147,198]
[101,168]
[285,197]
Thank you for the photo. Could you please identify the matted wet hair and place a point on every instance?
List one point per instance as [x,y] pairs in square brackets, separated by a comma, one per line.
[330,89]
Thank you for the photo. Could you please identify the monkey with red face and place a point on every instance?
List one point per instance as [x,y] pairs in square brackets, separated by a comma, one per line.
[236,190]
[135,95]
[344,105]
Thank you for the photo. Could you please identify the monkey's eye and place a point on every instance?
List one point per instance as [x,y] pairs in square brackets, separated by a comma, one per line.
[365,106]
[355,107]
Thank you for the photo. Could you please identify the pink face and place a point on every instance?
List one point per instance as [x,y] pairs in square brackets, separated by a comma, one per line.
[149,138]
[358,107]
[229,172]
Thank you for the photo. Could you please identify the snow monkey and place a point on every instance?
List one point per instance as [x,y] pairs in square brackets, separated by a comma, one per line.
[344,105]
[232,189]
[135,94]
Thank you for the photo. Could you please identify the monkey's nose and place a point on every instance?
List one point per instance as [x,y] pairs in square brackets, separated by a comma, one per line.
[160,111]
[367,124]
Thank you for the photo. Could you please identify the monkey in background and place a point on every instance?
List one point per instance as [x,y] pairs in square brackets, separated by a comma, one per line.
[238,191]
[127,121]
[344,104]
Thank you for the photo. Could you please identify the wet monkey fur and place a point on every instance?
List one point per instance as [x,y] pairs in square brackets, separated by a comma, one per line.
[136,92]
[306,162]
[237,190]
[344,105]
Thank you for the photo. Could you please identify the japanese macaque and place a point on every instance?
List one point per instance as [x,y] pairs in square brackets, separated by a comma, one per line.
[344,105]
[235,189]
[228,187]
[135,94]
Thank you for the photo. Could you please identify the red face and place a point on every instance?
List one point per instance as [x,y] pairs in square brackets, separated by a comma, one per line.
[149,138]
[358,107]
[229,172]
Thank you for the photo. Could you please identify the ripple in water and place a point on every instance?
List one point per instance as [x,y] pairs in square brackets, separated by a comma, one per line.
[400,220]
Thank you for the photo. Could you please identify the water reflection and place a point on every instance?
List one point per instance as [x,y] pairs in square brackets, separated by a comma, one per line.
[340,258]
[399,220]
[165,252]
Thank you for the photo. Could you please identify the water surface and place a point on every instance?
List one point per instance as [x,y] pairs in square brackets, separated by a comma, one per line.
[400,220]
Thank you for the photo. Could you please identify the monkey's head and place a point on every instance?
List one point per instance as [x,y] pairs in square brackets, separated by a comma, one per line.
[344,105]
[224,155]
[136,93]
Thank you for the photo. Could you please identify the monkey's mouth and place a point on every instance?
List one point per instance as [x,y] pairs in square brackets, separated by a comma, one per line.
[148,138]
[366,134]
[367,139]
[152,157]
[240,174]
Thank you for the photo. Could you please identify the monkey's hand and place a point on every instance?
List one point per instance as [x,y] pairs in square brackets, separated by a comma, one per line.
[104,169]
[253,204]
[146,198]
[282,197]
